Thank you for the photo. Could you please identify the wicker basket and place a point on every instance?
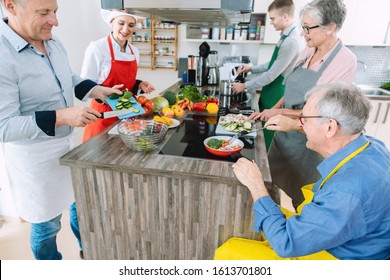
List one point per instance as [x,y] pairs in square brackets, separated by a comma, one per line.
[142,135]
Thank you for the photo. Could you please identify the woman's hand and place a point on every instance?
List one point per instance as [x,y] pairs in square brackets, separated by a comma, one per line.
[146,87]
[265,115]
[249,174]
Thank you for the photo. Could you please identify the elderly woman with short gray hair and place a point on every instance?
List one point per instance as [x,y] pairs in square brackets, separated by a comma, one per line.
[324,60]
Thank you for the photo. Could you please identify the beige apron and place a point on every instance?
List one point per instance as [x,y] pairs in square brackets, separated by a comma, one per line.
[42,188]
[246,249]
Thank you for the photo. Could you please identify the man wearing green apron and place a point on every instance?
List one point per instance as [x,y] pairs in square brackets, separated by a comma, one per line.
[281,13]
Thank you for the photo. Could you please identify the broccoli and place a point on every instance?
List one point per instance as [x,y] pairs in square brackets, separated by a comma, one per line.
[214,143]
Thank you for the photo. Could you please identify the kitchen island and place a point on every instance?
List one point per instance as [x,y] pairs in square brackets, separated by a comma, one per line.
[155,206]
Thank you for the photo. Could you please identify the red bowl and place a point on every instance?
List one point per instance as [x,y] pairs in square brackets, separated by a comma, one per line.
[223,153]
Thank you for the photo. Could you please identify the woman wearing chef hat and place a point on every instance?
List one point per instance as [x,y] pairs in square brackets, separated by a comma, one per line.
[112,61]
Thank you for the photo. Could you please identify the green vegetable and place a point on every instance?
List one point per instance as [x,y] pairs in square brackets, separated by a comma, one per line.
[170,96]
[159,103]
[127,94]
[386,86]
[113,96]
[190,92]
[214,143]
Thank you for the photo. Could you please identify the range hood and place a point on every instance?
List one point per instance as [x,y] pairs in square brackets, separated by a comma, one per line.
[192,12]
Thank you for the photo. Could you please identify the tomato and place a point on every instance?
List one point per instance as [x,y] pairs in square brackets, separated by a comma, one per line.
[142,99]
[149,104]
[147,112]
[212,100]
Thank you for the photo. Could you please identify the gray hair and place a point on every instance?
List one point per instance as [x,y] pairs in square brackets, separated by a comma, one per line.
[345,103]
[325,12]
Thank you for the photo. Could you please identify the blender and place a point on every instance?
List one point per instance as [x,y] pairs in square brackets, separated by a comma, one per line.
[212,73]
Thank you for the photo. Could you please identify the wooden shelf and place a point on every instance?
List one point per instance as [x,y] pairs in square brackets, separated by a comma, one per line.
[162,42]
[161,55]
[156,46]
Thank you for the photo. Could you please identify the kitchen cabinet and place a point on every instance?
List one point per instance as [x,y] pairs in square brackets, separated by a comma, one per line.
[378,123]
[367,23]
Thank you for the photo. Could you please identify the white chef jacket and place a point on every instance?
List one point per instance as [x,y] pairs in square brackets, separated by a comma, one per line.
[97,59]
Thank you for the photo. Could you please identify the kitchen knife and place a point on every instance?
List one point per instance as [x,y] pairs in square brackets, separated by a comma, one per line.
[117,113]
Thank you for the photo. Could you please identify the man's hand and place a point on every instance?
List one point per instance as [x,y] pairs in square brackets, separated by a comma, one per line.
[76,116]
[283,123]
[101,92]
[238,87]
[244,69]
[146,87]
[249,174]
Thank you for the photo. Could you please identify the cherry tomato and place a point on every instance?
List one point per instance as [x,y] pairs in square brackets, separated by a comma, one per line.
[149,104]
[142,99]
[147,112]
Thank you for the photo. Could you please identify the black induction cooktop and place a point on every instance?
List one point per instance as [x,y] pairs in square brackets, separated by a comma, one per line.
[187,140]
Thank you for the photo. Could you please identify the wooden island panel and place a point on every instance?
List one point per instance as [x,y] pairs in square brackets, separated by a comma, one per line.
[137,216]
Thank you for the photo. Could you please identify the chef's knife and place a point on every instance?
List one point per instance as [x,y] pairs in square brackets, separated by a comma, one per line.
[117,113]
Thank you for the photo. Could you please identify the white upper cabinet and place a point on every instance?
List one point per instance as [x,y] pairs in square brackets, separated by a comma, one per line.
[367,23]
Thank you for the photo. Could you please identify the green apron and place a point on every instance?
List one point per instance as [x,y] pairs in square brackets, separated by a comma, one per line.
[273,92]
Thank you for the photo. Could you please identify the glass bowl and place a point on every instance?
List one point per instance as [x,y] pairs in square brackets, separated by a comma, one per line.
[142,135]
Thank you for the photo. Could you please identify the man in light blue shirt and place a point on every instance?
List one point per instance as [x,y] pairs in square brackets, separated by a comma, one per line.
[37,117]
[346,214]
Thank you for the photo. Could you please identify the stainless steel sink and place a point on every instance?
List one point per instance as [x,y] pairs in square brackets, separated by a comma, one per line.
[374,92]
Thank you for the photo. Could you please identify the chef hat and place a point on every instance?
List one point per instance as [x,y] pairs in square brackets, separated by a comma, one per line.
[109,15]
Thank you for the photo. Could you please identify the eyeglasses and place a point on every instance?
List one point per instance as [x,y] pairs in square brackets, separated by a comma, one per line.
[307,28]
[301,117]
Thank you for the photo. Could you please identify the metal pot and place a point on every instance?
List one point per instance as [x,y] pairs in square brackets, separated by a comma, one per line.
[226,96]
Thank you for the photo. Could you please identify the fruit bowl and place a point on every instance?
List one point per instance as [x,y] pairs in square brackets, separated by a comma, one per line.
[142,135]
[234,148]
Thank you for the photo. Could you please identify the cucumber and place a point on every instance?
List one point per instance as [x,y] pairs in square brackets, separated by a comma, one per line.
[248,125]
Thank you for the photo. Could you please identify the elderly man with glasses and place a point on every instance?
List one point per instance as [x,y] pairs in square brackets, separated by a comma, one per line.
[346,214]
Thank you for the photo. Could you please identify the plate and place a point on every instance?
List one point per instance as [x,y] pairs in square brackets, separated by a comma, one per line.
[175,123]
[113,102]
[223,153]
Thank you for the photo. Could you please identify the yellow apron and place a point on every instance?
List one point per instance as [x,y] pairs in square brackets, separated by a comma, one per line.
[246,249]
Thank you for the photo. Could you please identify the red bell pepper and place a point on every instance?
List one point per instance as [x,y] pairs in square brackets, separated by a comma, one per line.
[200,106]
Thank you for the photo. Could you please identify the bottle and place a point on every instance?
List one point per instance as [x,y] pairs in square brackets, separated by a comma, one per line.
[184,77]
[258,30]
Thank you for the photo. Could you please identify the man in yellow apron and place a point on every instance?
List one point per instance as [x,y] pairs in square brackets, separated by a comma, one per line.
[346,214]
[281,13]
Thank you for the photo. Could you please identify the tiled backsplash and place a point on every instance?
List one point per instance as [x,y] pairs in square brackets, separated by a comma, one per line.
[377,61]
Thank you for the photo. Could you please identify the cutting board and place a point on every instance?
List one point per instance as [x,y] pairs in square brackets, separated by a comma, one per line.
[113,102]
[220,130]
